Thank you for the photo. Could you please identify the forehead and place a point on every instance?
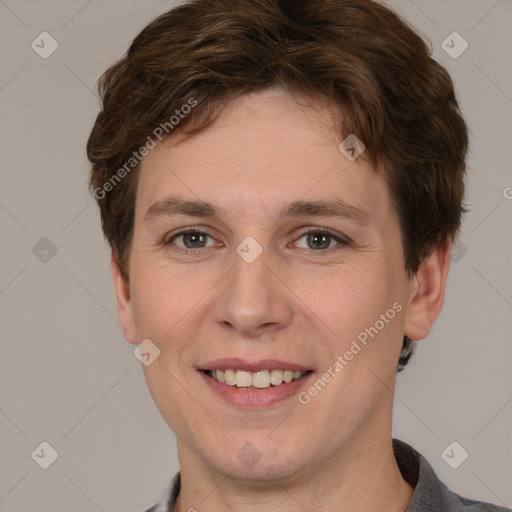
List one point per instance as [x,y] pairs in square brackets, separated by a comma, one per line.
[264,150]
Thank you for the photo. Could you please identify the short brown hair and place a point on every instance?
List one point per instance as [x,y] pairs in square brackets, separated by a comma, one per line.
[357,54]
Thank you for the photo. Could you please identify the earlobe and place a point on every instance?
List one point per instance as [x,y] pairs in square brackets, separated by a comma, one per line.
[124,301]
[427,292]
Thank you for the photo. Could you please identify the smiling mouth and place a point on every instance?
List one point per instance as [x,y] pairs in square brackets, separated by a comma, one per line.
[262,379]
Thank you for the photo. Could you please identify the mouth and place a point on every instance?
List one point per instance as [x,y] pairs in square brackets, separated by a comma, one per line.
[254,385]
[261,379]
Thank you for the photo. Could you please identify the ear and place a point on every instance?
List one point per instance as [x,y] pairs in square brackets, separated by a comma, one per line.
[124,301]
[427,292]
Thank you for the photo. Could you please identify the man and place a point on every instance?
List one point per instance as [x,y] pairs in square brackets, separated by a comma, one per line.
[280,182]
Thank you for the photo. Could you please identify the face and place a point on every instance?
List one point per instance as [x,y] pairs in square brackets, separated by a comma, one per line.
[260,250]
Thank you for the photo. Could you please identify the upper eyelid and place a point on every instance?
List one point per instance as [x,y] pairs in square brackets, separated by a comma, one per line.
[168,237]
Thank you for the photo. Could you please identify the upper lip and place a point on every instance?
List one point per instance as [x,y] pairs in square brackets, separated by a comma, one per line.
[236,363]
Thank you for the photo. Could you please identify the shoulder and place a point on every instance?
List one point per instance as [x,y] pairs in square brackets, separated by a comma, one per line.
[458,503]
[166,502]
[479,506]
[430,494]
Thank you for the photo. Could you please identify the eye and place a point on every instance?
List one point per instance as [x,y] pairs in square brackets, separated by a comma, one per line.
[319,239]
[190,240]
[315,239]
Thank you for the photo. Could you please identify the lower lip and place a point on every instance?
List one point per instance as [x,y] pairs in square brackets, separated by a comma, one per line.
[250,398]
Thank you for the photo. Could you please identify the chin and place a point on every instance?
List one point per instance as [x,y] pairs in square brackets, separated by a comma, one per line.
[255,458]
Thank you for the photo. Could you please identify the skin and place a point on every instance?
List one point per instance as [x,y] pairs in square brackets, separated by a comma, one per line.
[299,301]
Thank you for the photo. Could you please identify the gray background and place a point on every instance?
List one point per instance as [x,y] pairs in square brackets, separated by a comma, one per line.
[67,375]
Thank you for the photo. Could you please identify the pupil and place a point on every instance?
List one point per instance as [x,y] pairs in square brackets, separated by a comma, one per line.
[319,237]
[191,239]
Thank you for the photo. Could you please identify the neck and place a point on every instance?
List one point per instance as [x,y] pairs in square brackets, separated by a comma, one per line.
[360,476]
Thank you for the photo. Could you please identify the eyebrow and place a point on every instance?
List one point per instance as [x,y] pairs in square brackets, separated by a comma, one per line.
[197,208]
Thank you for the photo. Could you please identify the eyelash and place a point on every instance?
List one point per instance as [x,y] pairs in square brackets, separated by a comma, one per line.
[343,241]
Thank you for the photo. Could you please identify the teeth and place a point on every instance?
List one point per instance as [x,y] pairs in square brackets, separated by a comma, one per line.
[276,377]
[230,377]
[243,379]
[261,379]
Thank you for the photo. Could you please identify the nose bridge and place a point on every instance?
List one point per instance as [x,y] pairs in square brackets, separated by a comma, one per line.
[252,298]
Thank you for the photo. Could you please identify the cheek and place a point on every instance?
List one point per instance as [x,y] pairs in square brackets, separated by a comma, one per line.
[169,309]
[164,307]
[361,310]
[348,298]
[161,297]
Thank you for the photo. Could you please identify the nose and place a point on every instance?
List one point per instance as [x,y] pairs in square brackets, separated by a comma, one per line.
[254,299]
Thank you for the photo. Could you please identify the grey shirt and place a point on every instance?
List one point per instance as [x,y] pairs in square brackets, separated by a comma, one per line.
[430,494]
